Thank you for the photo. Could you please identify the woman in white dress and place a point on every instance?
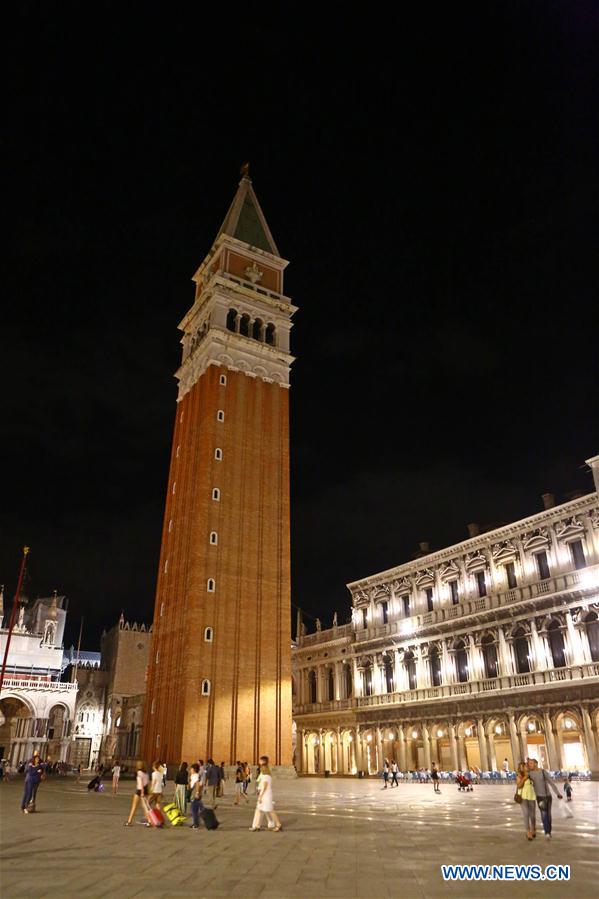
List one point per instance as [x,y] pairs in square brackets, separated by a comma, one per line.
[265,803]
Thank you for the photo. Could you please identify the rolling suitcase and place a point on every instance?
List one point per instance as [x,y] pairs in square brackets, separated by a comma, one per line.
[209,819]
[173,814]
[156,817]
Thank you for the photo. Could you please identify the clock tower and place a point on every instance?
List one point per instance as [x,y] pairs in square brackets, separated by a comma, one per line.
[219,675]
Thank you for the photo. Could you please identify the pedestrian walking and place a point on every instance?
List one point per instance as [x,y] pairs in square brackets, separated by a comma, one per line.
[141,791]
[156,786]
[181,784]
[435,778]
[394,773]
[195,784]
[385,774]
[265,804]
[528,802]
[542,783]
[568,788]
[78,773]
[239,783]
[222,777]
[34,772]
[247,777]
[116,773]
[213,778]
[506,767]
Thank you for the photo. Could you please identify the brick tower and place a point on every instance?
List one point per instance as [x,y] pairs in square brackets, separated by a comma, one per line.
[219,674]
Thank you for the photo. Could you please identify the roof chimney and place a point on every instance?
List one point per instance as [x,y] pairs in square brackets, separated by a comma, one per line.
[548,500]
[473,529]
[594,466]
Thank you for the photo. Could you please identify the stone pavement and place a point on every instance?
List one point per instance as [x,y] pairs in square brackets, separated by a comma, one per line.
[342,838]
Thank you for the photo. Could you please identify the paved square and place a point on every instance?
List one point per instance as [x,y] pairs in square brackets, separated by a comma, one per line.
[342,838]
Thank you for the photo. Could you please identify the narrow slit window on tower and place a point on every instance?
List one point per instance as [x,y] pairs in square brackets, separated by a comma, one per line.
[161,609]
[208,635]
[157,655]
[223,381]
[174,487]
[178,448]
[218,454]
[205,687]
[166,566]
[170,525]
[220,415]
[153,709]
[216,494]
[157,740]
[213,538]
[211,585]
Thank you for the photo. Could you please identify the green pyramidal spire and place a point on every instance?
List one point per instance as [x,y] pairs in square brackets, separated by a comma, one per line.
[245,220]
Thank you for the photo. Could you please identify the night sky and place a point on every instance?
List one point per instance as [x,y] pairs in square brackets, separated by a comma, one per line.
[433,181]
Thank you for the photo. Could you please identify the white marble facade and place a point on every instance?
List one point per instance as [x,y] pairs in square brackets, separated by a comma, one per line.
[479,652]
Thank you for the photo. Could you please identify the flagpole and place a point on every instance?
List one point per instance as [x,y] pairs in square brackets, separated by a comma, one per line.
[78,648]
[13,613]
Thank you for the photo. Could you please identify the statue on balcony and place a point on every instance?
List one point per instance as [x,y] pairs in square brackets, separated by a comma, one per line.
[318,625]
[334,619]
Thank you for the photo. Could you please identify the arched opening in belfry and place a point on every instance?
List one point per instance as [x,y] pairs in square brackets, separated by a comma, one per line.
[232,320]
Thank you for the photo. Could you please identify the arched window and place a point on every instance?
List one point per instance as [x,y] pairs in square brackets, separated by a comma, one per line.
[367,680]
[216,494]
[218,454]
[223,380]
[435,663]
[461,661]
[213,538]
[489,656]
[331,684]
[312,685]
[270,334]
[205,687]
[410,664]
[220,415]
[211,585]
[592,626]
[157,655]
[244,325]
[232,320]
[521,652]
[388,674]
[258,329]
[208,635]
[556,642]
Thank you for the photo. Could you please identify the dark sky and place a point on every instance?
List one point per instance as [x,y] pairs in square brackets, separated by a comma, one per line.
[433,180]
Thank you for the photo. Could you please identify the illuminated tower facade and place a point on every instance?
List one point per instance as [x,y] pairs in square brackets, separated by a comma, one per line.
[219,675]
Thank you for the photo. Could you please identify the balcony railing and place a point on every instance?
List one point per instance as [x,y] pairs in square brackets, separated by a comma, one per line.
[34,683]
[446,691]
[587,578]
[332,633]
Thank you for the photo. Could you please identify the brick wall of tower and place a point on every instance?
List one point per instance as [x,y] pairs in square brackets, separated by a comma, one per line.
[248,663]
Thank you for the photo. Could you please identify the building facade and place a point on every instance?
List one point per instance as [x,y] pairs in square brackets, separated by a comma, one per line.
[219,679]
[112,685]
[484,651]
[37,709]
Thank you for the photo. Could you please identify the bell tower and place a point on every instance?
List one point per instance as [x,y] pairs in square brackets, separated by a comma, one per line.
[219,674]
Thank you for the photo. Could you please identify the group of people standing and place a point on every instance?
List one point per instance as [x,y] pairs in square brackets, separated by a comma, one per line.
[199,781]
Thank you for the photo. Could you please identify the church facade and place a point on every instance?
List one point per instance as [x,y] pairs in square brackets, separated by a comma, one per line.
[219,674]
[484,651]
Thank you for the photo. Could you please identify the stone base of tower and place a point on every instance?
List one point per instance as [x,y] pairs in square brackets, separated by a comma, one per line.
[283,772]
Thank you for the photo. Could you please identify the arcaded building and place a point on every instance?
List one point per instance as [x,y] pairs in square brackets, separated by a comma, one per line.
[484,651]
[219,674]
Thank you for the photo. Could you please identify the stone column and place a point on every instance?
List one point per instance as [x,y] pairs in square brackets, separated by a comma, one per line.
[447,669]
[576,653]
[321,753]
[379,749]
[453,747]
[422,669]
[517,754]
[549,742]
[503,659]
[538,653]
[299,750]
[589,737]
[340,765]
[358,749]
[475,662]
[461,743]
[559,747]
[482,745]
[584,641]
[358,685]
[399,673]
[426,746]
[401,740]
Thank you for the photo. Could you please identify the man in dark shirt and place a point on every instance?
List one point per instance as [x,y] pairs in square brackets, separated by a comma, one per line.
[213,777]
